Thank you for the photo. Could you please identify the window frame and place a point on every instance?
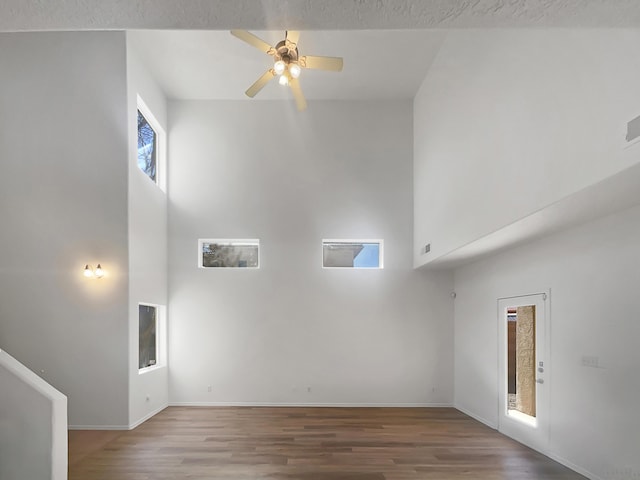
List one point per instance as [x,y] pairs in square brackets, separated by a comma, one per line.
[227,241]
[160,338]
[378,241]
[161,153]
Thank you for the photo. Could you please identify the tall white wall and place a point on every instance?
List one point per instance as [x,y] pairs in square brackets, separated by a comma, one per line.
[63,203]
[508,122]
[593,272]
[148,392]
[261,170]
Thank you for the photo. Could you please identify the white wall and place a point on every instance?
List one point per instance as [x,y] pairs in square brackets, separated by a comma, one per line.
[507,122]
[33,425]
[63,203]
[148,392]
[593,272]
[259,169]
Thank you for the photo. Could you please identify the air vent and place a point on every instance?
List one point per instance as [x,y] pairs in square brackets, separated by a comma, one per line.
[426,248]
[633,129]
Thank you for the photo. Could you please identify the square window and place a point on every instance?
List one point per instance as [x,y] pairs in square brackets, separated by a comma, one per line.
[147,148]
[148,336]
[226,253]
[352,253]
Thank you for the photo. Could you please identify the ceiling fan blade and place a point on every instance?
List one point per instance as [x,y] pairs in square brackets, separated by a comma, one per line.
[254,41]
[260,83]
[333,64]
[293,36]
[297,94]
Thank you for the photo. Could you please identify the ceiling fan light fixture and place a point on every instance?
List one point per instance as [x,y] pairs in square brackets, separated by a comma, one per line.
[295,70]
[279,67]
[284,80]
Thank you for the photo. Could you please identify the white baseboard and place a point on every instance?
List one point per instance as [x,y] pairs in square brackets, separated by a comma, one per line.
[573,467]
[328,405]
[147,417]
[98,427]
[476,417]
[258,404]
[118,427]
[556,458]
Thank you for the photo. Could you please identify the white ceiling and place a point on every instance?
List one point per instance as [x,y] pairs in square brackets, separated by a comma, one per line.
[382,64]
[313,14]
[204,61]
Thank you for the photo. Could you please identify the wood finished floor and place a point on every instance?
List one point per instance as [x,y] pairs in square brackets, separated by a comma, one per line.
[242,443]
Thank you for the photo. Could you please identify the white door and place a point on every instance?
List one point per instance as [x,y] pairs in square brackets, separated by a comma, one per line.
[523,369]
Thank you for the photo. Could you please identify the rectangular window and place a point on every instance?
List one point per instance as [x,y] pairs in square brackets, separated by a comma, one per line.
[226,253]
[148,336]
[147,148]
[352,253]
[151,149]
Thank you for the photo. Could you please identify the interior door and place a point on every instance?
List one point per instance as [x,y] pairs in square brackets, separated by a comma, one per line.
[523,369]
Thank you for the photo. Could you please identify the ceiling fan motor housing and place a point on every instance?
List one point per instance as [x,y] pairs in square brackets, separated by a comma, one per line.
[286,53]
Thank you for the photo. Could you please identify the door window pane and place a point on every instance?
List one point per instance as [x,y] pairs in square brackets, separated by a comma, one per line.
[521,360]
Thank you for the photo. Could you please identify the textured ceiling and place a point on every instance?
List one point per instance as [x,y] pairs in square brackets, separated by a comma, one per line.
[313,14]
[187,47]
[378,64]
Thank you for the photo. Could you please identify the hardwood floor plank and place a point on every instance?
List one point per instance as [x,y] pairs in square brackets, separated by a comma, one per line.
[247,443]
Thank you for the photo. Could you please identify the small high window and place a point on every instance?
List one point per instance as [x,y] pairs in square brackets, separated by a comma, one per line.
[352,253]
[147,148]
[226,253]
[148,336]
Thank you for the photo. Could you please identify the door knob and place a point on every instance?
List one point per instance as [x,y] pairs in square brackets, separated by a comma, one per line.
[539,380]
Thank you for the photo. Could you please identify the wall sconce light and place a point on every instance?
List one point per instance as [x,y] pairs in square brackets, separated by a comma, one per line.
[98,272]
[91,273]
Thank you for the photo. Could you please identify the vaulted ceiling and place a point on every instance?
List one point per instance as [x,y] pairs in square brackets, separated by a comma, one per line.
[378,64]
[388,45]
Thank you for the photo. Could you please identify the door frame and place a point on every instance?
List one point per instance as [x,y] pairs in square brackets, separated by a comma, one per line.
[536,437]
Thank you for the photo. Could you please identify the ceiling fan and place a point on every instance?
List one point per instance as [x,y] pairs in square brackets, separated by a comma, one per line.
[287,63]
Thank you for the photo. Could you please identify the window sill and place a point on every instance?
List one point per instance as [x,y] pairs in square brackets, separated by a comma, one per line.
[152,368]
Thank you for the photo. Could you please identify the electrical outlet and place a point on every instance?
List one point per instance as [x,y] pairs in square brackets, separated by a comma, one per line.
[626,473]
[148,397]
[590,361]
[309,389]
[209,388]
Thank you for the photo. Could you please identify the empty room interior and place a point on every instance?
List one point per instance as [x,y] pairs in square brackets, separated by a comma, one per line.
[319,240]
